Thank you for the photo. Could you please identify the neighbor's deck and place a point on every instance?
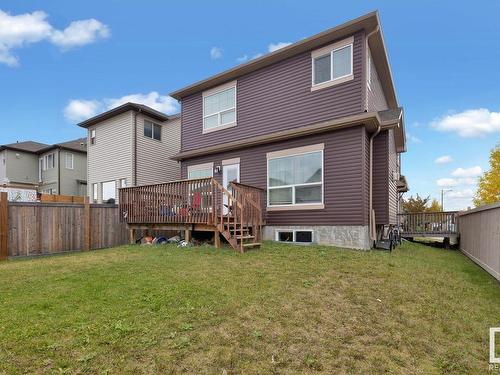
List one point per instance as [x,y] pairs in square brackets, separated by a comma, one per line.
[432,224]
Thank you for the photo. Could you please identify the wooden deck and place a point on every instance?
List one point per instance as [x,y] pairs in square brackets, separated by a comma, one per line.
[198,204]
[433,224]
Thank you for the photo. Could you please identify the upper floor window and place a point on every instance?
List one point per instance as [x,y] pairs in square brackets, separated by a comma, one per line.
[152,130]
[219,107]
[332,64]
[68,162]
[92,137]
[47,162]
[295,177]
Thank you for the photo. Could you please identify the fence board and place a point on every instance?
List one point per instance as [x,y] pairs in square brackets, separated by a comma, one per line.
[480,237]
[48,228]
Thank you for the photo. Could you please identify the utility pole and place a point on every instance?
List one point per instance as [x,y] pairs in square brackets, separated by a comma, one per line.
[442,197]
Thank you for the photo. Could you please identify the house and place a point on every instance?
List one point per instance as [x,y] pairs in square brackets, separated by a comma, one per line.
[130,145]
[50,169]
[316,126]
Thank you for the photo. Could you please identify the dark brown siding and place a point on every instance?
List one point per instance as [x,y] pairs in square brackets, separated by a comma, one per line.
[278,97]
[381,177]
[344,166]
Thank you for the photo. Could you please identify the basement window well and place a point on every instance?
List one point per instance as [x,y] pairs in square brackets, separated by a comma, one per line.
[295,236]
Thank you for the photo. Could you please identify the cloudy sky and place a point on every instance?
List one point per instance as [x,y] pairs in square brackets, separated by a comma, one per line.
[64,61]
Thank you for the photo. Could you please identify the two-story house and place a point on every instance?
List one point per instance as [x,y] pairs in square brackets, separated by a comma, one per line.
[316,124]
[130,145]
[50,169]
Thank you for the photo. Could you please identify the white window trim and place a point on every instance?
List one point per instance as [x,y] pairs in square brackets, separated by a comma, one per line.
[153,124]
[329,50]
[46,161]
[72,158]
[200,167]
[214,91]
[295,152]
[294,238]
[95,192]
[92,136]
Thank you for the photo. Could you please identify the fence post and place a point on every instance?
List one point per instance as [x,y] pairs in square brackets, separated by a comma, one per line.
[88,229]
[4,226]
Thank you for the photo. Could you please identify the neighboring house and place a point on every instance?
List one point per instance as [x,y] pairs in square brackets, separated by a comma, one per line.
[51,169]
[316,124]
[130,145]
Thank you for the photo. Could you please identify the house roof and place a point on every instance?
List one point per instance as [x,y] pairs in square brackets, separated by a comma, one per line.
[157,115]
[390,119]
[79,145]
[26,146]
[369,23]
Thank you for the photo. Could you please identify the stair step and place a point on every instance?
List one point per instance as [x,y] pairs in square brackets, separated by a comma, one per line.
[245,237]
[254,244]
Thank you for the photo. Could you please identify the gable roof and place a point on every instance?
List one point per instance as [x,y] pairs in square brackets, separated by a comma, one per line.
[369,23]
[78,145]
[157,115]
[26,146]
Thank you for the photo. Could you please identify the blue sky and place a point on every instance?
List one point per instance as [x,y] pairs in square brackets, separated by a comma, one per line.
[444,58]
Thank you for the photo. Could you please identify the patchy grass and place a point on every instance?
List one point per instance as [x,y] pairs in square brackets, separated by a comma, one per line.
[282,309]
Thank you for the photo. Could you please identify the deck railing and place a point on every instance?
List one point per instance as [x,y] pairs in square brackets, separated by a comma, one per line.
[429,223]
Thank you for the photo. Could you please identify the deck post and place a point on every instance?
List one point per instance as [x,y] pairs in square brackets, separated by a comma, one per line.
[187,235]
[217,239]
[131,236]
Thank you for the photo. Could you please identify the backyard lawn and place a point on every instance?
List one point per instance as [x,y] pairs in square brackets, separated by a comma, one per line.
[282,309]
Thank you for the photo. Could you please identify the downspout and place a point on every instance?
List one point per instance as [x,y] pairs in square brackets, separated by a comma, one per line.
[373,232]
[134,151]
[59,171]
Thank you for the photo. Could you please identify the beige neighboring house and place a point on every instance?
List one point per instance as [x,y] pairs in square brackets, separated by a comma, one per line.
[50,169]
[130,145]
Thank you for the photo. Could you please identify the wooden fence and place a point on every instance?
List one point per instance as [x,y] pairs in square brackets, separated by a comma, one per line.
[480,237]
[46,228]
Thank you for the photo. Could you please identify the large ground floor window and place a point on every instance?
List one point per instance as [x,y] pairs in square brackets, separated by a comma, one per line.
[295,177]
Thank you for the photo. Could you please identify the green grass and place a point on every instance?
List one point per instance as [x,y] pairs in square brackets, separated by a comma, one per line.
[282,309]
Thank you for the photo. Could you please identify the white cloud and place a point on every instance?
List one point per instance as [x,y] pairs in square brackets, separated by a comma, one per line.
[412,138]
[445,159]
[458,199]
[470,123]
[215,53]
[276,46]
[242,58]
[162,103]
[24,29]
[447,182]
[467,172]
[80,33]
[466,193]
[79,110]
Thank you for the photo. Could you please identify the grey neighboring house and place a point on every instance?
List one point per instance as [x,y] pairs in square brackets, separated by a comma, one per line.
[316,124]
[130,145]
[51,169]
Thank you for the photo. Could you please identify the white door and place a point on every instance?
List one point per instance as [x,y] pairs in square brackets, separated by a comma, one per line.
[229,173]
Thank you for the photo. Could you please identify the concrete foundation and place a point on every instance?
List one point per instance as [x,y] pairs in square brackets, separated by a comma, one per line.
[349,236]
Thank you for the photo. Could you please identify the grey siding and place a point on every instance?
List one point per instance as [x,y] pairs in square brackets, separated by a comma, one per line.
[21,167]
[343,177]
[153,157]
[50,176]
[110,159]
[70,178]
[375,97]
[3,162]
[278,97]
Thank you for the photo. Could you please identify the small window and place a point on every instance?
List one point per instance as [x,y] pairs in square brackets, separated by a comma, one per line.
[92,137]
[109,192]
[152,130]
[48,162]
[219,108]
[298,236]
[333,63]
[122,183]
[200,171]
[69,159]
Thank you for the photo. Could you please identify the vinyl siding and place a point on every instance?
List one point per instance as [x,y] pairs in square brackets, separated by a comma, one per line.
[344,188]
[392,187]
[50,176]
[21,167]
[375,97]
[3,163]
[278,97]
[381,177]
[111,157]
[70,177]
[153,157]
